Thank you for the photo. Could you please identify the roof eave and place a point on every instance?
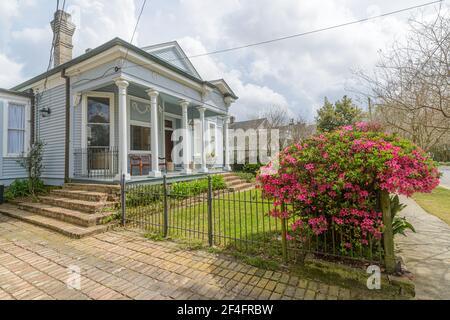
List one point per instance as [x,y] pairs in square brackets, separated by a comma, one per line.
[100,49]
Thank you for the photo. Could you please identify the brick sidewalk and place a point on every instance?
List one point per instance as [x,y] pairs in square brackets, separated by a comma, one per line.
[123,265]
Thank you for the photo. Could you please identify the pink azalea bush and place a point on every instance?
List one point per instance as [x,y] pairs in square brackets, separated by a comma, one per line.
[331,182]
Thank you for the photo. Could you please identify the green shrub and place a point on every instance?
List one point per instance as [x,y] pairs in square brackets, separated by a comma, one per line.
[195,187]
[21,188]
[143,195]
[252,168]
[246,176]
[32,163]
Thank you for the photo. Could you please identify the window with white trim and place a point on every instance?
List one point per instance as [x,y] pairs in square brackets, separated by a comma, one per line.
[140,128]
[16,134]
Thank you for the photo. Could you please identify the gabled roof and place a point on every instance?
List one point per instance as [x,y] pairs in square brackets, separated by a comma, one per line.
[224,88]
[106,46]
[249,124]
[172,53]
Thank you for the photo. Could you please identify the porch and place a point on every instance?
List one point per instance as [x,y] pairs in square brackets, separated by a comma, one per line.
[119,125]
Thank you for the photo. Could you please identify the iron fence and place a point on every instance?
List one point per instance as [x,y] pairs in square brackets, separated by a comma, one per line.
[235,220]
[96,162]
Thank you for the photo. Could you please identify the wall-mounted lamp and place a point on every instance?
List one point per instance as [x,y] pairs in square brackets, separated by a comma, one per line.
[45,112]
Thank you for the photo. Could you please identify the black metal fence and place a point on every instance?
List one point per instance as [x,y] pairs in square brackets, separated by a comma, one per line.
[236,220]
[98,162]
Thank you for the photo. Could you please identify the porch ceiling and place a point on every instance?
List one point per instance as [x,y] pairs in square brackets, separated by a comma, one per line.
[172,102]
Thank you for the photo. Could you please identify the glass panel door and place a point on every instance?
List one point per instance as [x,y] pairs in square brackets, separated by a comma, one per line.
[98,133]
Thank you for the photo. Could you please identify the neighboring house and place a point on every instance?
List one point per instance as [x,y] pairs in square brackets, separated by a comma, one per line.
[250,124]
[244,140]
[111,112]
[288,134]
[294,132]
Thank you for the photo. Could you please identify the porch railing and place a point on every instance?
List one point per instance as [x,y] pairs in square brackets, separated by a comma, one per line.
[96,162]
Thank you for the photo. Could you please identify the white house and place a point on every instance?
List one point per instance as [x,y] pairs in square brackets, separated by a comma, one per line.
[112,111]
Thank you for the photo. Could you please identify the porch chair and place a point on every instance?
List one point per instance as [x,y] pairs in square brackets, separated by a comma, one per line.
[140,162]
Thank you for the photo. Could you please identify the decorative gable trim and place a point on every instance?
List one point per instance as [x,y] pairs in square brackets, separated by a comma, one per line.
[158,49]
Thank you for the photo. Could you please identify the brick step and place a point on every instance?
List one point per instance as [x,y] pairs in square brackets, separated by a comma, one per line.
[103,188]
[235,182]
[64,228]
[78,205]
[232,178]
[66,215]
[227,174]
[242,187]
[80,195]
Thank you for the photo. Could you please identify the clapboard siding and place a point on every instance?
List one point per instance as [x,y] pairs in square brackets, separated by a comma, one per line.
[13,169]
[51,130]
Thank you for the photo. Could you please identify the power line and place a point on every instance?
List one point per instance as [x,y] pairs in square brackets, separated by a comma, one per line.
[300,34]
[272,41]
[56,36]
[135,29]
[117,68]
[50,61]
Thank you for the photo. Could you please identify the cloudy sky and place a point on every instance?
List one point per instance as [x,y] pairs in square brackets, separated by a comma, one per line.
[294,74]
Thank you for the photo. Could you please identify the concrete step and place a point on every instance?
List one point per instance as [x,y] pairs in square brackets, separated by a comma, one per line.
[66,215]
[78,205]
[64,228]
[104,188]
[80,195]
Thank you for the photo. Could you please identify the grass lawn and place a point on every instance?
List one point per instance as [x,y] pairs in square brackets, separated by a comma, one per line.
[240,221]
[436,203]
[242,215]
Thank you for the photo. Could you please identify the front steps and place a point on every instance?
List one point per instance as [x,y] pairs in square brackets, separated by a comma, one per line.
[77,210]
[234,183]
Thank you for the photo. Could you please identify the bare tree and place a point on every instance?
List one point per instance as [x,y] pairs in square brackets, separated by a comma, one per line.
[410,85]
[276,117]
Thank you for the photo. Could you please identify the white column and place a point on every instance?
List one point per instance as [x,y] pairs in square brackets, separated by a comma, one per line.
[226,144]
[203,136]
[186,135]
[153,94]
[122,85]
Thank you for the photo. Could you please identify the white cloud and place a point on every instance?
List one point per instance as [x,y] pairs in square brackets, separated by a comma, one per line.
[100,21]
[11,72]
[34,36]
[253,99]
[294,74]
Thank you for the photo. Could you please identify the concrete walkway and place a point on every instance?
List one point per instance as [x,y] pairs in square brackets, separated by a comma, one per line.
[445,179]
[427,252]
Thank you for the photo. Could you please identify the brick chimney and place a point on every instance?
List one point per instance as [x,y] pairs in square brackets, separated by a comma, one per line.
[63,30]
